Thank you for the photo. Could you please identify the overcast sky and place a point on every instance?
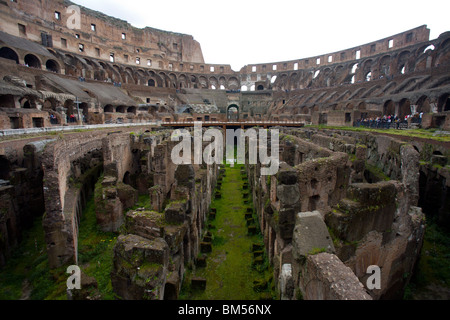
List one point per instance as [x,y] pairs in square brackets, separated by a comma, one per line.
[241,32]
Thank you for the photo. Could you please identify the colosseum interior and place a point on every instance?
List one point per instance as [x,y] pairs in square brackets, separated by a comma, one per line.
[87,176]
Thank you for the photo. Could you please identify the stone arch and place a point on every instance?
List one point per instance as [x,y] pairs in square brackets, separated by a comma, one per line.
[32,61]
[129,76]
[384,67]
[10,54]
[173,80]
[28,102]
[182,81]
[213,83]
[233,83]
[108,108]
[404,108]
[233,112]
[423,105]
[203,82]
[444,103]
[156,78]
[50,104]
[165,80]
[121,109]
[402,62]
[389,108]
[131,109]
[444,53]
[7,101]
[52,65]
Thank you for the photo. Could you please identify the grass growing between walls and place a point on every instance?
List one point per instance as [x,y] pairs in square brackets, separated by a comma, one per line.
[26,274]
[232,271]
[433,134]
[431,279]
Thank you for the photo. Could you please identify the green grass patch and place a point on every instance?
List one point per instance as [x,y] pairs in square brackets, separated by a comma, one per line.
[27,274]
[413,133]
[95,251]
[230,271]
[433,266]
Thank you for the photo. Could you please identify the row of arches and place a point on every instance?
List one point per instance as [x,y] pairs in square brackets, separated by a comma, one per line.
[119,109]
[402,107]
[371,68]
[30,60]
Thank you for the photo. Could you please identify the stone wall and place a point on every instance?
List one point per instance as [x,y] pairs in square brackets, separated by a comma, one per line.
[361,223]
[173,227]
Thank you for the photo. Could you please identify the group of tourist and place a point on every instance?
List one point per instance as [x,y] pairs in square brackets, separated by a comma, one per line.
[388,121]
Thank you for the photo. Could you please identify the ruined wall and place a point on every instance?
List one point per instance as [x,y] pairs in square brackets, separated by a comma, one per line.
[321,201]
[157,243]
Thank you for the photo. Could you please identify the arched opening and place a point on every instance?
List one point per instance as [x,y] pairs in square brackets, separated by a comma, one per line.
[28,102]
[127,178]
[49,104]
[260,87]
[170,291]
[151,83]
[121,109]
[9,54]
[52,65]
[32,61]
[244,88]
[108,108]
[131,110]
[368,76]
[7,101]
[70,107]
[444,103]
[423,105]
[85,108]
[233,112]
[389,108]
[404,108]
[4,168]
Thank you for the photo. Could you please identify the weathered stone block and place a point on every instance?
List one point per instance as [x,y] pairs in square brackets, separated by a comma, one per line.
[310,233]
[174,234]
[288,194]
[140,267]
[325,277]
[147,224]
[127,194]
[175,212]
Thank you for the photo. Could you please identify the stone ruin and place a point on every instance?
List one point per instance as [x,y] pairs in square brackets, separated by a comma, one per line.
[342,201]
[324,223]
